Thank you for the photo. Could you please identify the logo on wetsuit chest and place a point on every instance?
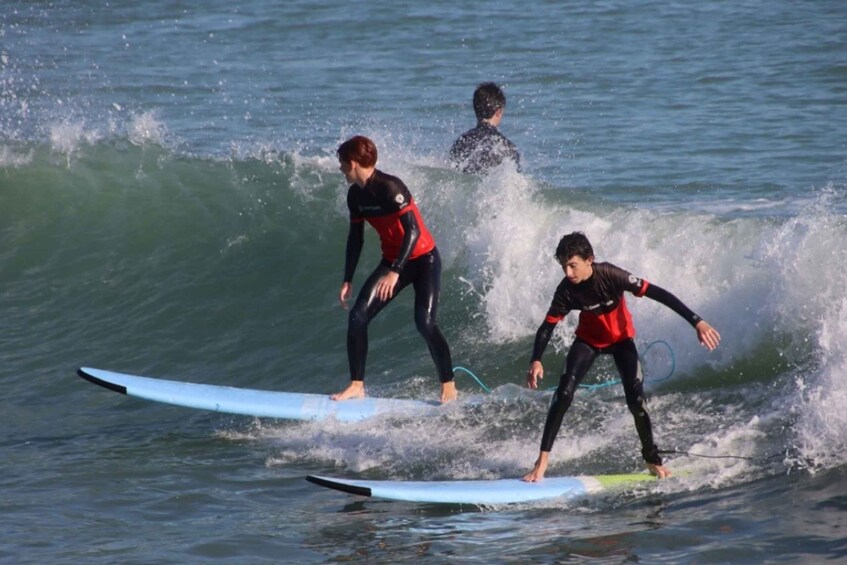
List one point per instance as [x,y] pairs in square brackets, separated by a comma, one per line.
[399,199]
[600,306]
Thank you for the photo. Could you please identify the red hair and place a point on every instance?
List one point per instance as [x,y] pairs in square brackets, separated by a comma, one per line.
[358,148]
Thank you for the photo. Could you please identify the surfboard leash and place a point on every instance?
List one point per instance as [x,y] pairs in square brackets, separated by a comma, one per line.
[477,379]
[703,455]
[592,387]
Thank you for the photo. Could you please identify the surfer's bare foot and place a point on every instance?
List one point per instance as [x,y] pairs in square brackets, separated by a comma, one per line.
[448,392]
[356,389]
[538,471]
[658,470]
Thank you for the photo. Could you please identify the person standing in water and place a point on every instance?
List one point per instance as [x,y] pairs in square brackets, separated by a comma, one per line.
[409,256]
[605,327]
[483,147]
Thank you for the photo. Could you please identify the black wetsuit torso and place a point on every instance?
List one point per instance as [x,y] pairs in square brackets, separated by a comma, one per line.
[604,318]
[482,148]
[386,204]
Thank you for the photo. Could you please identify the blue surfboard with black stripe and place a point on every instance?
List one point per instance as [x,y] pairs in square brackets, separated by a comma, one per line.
[481,492]
[252,402]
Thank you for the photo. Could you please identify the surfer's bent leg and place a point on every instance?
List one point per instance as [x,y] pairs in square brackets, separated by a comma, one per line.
[629,367]
[580,358]
[427,285]
[367,306]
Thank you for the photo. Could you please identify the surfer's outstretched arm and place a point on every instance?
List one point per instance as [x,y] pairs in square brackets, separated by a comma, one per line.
[708,336]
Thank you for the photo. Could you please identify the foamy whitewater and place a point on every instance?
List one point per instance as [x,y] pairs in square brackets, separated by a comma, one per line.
[171,206]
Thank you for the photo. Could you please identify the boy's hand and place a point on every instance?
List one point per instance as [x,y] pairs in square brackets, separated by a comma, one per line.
[535,374]
[708,336]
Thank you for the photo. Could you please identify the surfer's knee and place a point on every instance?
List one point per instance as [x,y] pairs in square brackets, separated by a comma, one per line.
[426,324]
[636,406]
[564,392]
[357,320]
[562,395]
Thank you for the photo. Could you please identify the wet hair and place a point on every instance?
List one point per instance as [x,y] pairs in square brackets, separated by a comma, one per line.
[574,244]
[358,148]
[487,99]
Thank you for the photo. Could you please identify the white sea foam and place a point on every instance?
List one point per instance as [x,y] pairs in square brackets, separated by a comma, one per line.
[809,255]
[11,158]
[67,136]
[752,278]
[147,128]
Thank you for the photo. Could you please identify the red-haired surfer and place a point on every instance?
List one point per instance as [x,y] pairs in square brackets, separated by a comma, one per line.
[409,256]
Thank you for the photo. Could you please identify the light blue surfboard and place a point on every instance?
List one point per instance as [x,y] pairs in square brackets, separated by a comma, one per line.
[499,491]
[249,402]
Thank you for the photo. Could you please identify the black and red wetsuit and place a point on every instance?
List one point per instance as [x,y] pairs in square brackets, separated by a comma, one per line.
[605,327]
[408,249]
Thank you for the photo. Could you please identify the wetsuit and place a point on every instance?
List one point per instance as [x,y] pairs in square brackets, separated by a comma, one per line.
[407,249]
[605,327]
[482,148]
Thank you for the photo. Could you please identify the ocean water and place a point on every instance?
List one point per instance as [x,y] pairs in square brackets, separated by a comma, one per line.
[170,205]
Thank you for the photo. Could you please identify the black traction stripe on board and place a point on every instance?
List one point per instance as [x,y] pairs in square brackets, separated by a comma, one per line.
[101,382]
[361,491]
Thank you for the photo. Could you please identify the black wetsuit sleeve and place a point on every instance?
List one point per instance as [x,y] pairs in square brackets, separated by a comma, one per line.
[662,296]
[542,338]
[355,242]
[411,233]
